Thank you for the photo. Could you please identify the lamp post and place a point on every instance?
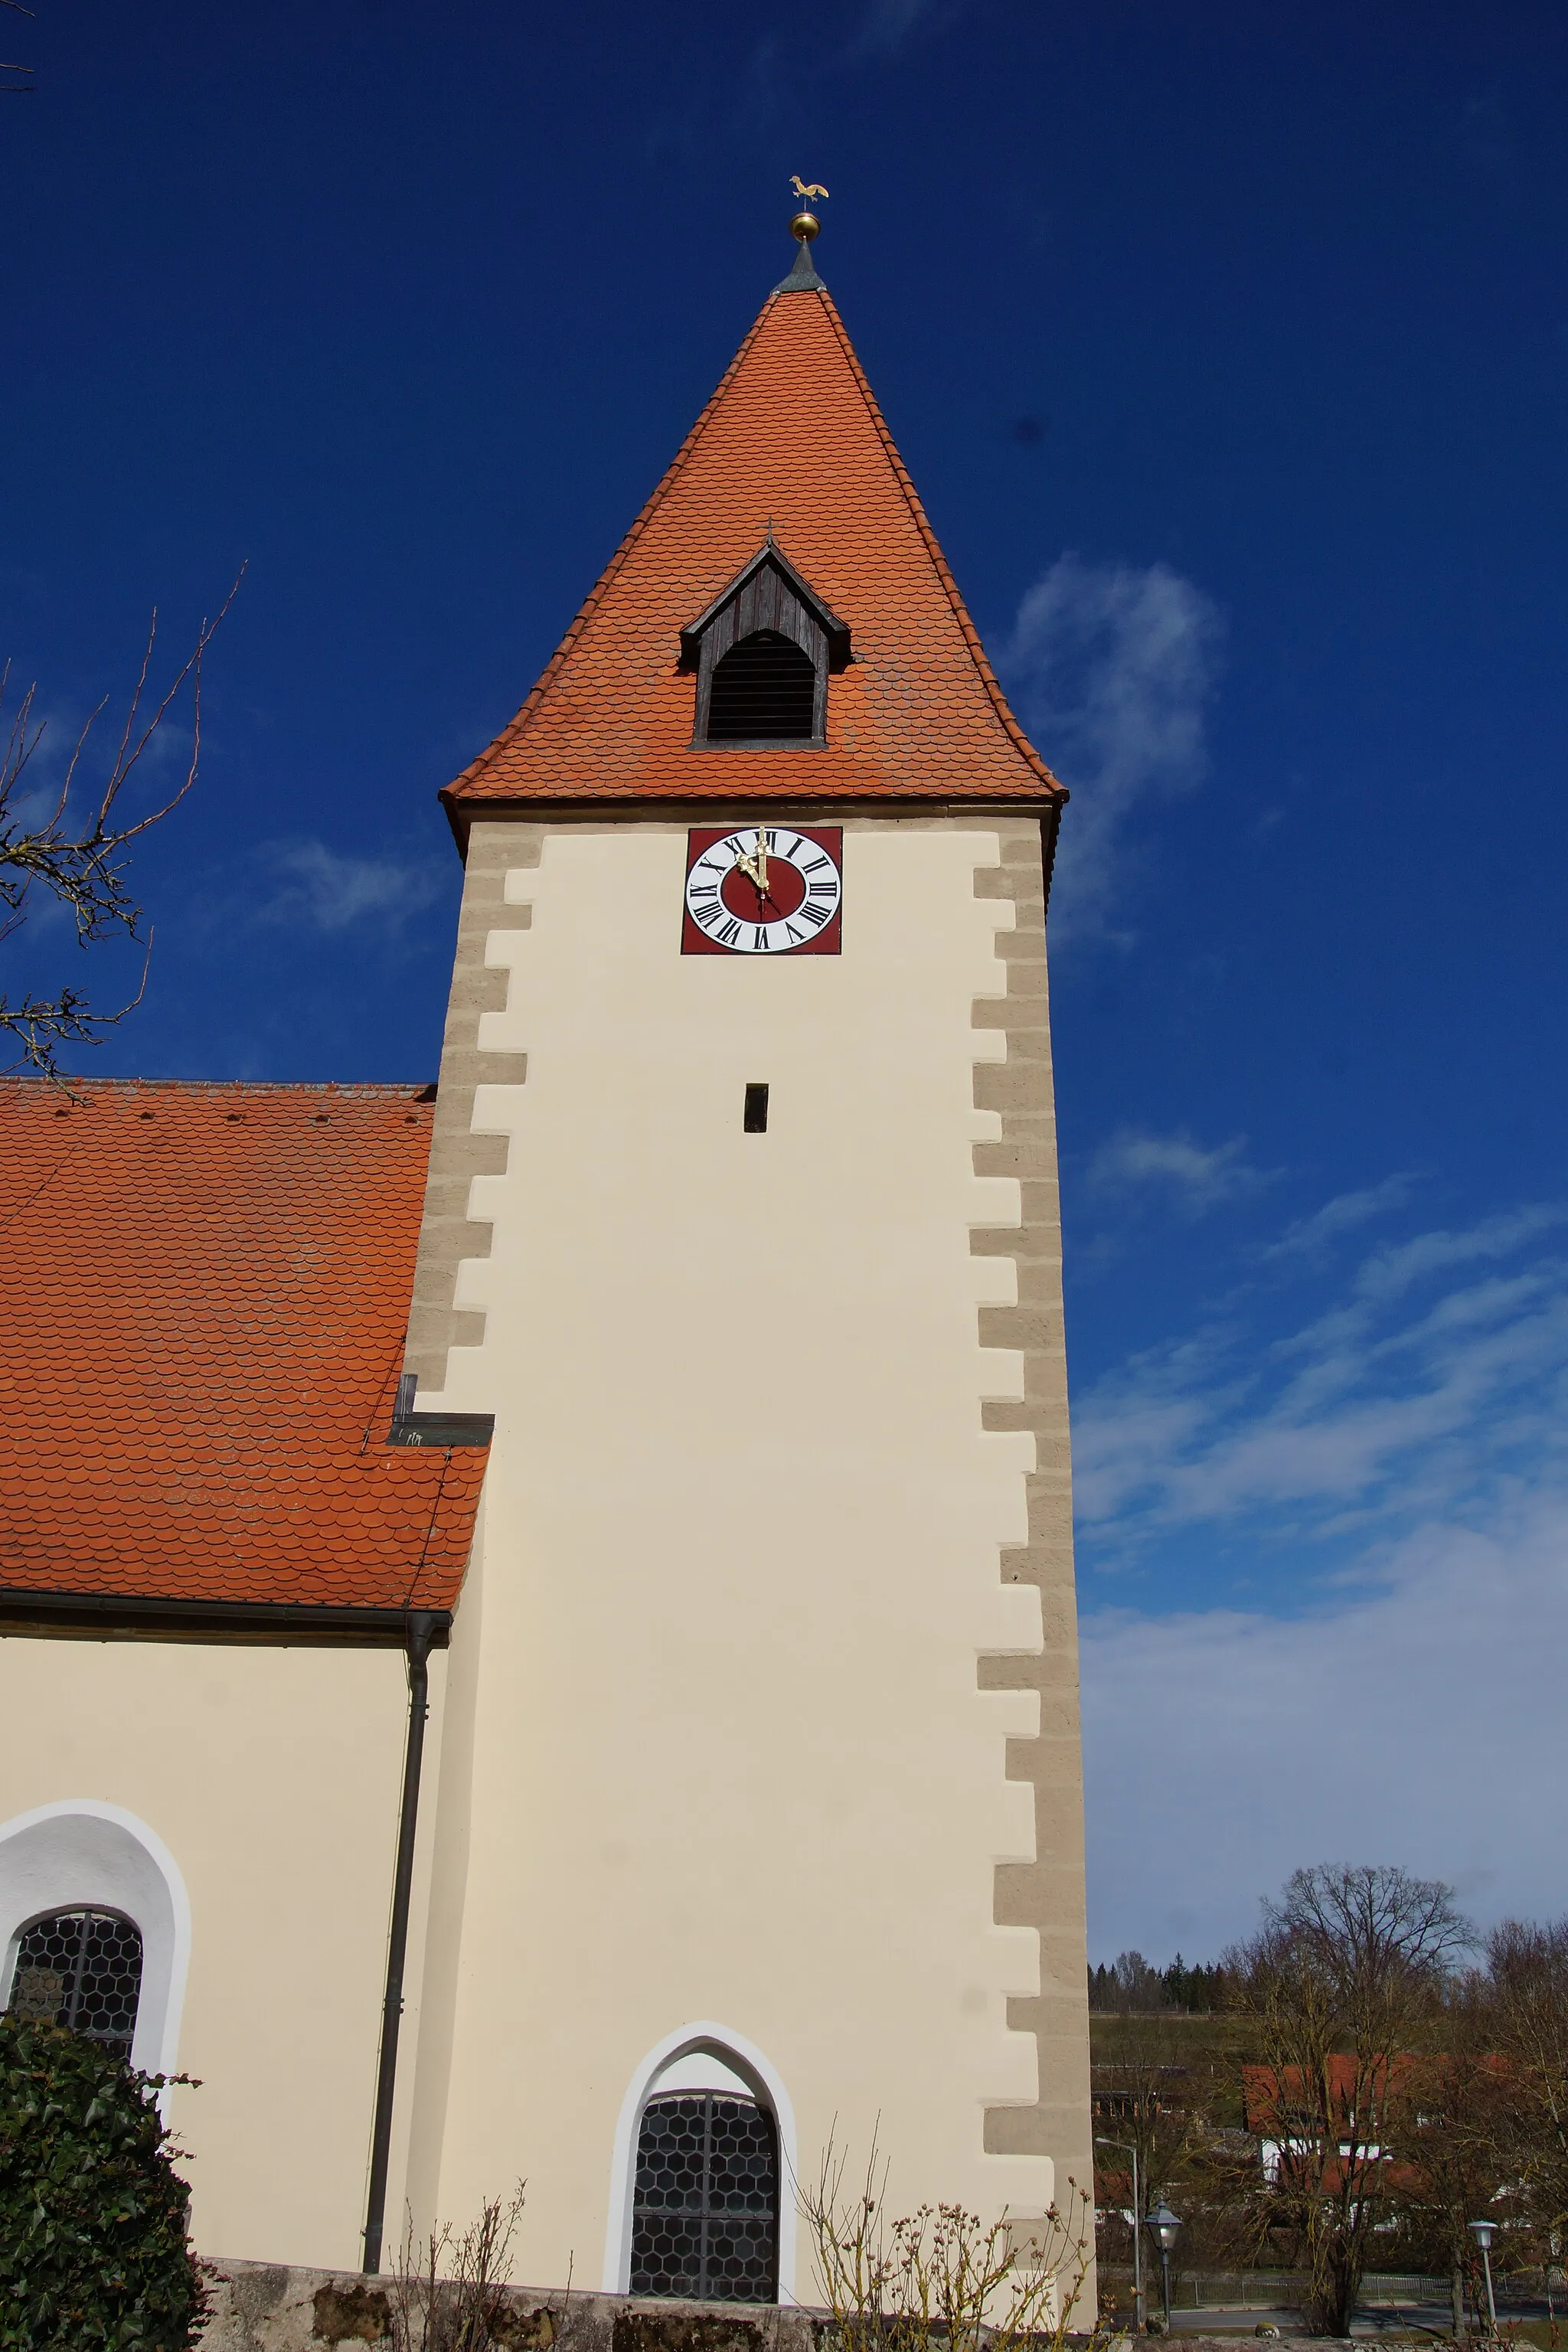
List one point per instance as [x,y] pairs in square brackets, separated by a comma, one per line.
[1164,2224]
[1481,2232]
[1125,2148]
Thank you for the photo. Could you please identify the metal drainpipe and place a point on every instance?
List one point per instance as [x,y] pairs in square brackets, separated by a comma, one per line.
[421,1632]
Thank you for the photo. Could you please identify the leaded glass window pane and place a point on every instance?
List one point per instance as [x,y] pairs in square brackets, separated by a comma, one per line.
[705,2210]
[81,1969]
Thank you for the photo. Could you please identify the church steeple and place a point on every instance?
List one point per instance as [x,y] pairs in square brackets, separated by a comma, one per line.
[742,1224]
[792,444]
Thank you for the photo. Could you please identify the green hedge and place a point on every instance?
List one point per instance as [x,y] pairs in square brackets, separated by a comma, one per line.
[93,2253]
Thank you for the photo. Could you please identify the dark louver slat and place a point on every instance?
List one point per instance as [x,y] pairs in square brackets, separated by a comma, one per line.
[763,691]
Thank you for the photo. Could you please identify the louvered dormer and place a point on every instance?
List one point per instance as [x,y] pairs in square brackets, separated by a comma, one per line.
[762,652]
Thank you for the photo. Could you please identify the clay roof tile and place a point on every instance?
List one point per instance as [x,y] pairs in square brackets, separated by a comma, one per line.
[196,1406]
[792,439]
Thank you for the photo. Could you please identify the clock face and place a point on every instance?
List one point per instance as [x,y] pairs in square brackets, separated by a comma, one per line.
[767,890]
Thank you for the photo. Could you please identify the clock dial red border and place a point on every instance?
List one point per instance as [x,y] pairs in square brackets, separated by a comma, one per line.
[694,940]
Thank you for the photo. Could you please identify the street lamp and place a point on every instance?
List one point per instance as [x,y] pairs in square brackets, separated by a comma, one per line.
[1482,2232]
[1125,2148]
[1164,2224]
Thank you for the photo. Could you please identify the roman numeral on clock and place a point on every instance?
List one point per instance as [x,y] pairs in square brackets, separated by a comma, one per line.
[810,885]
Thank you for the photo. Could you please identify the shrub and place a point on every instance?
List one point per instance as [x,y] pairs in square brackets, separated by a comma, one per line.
[93,2253]
[942,2280]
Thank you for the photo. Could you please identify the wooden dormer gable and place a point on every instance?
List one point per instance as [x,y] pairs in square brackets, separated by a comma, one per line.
[765,603]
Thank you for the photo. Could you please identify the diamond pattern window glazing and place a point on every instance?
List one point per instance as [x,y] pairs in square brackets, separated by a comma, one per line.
[705,2210]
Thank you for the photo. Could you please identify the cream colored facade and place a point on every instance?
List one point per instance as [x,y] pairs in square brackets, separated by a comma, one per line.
[759,1725]
[761,1702]
[254,1790]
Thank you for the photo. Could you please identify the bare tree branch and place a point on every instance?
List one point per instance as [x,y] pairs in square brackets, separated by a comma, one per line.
[16,88]
[83,866]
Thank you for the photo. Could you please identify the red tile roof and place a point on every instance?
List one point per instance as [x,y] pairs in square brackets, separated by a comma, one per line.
[208,1287]
[792,436]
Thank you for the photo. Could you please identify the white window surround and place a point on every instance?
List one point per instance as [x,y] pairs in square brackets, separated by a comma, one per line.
[83,1854]
[669,2065]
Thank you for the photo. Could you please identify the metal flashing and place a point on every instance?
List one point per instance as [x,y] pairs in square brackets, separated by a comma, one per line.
[802,279]
[441,1429]
[99,1616]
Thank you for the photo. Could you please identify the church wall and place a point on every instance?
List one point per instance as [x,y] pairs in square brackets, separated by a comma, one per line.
[272,1777]
[767,1527]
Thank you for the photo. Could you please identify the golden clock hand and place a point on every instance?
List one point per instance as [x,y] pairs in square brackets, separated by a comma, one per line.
[764,844]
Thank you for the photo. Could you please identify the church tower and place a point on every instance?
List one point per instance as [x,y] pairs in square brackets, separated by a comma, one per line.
[755,1813]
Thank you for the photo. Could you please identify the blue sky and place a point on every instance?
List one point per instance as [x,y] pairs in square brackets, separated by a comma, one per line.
[1228,348]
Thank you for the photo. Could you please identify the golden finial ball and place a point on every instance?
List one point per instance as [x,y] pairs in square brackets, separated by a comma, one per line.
[804,225]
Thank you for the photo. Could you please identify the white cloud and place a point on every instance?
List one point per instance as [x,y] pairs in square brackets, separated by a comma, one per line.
[1310,1235]
[1383,1406]
[888,24]
[1173,1164]
[1420,1723]
[1394,1472]
[317,889]
[1393,1270]
[1110,667]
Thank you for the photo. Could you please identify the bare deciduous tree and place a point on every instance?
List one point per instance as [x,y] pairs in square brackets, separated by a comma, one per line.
[1344,1980]
[1151,2104]
[81,861]
[1455,2119]
[1528,1983]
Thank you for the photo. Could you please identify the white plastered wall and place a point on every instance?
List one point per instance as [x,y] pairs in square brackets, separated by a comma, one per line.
[723,1753]
[268,1781]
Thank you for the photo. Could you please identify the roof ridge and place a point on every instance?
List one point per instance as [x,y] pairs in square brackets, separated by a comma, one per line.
[232,1086]
[970,633]
[585,611]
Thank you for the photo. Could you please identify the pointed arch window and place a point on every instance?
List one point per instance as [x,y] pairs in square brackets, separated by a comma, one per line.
[706,2203]
[762,653]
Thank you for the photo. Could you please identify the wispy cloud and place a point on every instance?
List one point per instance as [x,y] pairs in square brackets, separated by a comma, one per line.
[1403,1394]
[317,888]
[1311,1236]
[1385,1481]
[1393,1270]
[1110,665]
[1175,1168]
[888,24]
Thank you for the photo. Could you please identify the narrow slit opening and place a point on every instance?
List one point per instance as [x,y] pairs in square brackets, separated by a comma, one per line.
[754,1119]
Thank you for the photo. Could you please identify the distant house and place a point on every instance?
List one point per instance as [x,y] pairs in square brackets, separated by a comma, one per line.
[1287,2115]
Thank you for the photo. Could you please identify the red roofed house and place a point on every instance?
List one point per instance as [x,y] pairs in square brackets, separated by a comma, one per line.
[673,1400]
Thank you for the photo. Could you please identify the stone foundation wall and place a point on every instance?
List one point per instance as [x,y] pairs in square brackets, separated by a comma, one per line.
[265,2307]
[269,2307]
